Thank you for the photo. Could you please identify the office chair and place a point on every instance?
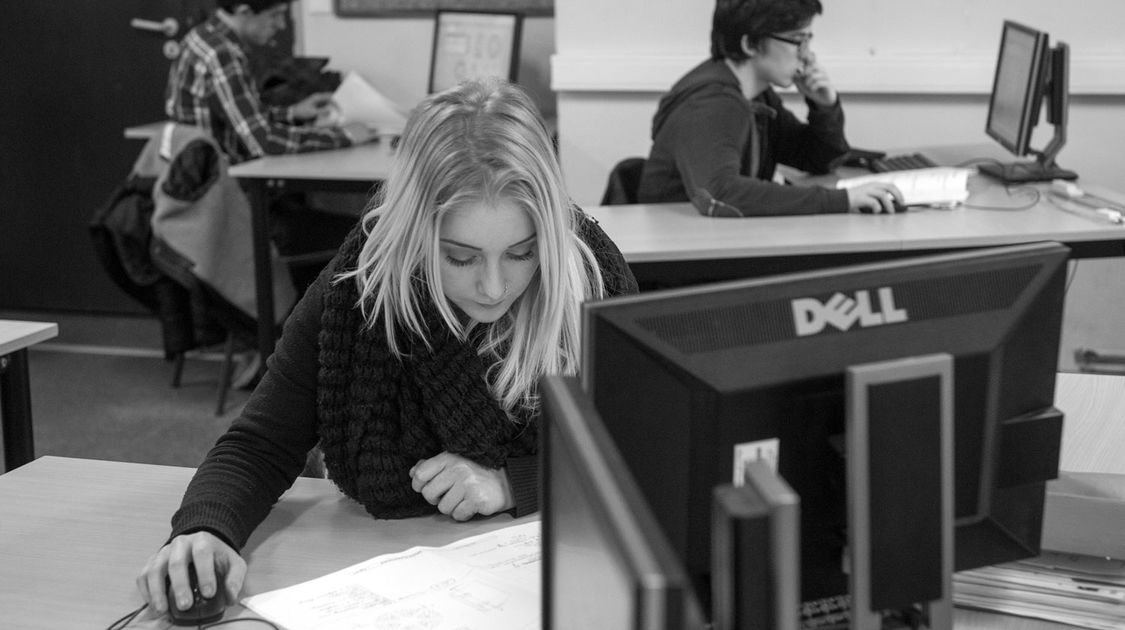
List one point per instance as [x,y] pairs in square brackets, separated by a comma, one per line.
[624,180]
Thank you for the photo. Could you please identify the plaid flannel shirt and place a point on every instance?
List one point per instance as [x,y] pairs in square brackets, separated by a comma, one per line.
[210,86]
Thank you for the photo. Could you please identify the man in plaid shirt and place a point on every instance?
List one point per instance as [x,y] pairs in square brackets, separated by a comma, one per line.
[211,86]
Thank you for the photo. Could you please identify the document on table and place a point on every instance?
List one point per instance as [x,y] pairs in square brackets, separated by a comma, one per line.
[356,100]
[937,186]
[486,581]
[1054,586]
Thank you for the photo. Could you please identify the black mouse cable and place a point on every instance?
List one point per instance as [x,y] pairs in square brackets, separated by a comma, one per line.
[239,620]
[129,617]
[126,620]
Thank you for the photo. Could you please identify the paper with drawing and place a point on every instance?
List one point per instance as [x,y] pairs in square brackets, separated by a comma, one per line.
[487,581]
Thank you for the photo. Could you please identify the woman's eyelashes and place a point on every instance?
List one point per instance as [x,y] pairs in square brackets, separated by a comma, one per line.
[465,261]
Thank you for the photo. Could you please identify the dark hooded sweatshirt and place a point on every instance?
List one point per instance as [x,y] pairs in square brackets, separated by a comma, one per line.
[711,143]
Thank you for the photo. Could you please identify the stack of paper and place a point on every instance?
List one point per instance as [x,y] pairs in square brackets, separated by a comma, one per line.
[937,186]
[356,100]
[1064,588]
[487,581]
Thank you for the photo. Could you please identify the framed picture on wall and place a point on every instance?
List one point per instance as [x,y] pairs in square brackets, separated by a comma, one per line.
[393,8]
[474,45]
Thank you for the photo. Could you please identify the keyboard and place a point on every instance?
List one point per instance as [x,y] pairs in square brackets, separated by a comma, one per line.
[829,613]
[904,162]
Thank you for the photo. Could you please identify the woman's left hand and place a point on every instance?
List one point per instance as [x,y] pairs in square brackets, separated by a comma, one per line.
[461,487]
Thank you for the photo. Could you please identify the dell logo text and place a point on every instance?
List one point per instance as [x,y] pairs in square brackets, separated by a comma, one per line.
[843,312]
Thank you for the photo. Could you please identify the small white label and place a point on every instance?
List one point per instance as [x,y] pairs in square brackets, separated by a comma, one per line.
[760,450]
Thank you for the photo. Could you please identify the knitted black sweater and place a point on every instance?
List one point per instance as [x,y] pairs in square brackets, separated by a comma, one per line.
[332,381]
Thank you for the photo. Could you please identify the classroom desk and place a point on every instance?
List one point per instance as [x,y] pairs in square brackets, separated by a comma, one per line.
[75,533]
[145,131]
[672,244]
[15,387]
[675,244]
[354,169]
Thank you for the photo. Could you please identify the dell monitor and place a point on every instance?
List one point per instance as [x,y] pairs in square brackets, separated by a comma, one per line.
[1028,70]
[690,381]
[606,562]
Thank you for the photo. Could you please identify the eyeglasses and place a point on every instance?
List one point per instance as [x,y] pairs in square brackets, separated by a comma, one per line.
[802,43]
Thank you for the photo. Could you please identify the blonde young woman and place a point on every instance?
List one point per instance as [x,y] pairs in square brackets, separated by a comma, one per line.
[413,359]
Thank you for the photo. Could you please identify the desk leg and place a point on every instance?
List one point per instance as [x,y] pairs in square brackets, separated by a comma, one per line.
[15,407]
[263,270]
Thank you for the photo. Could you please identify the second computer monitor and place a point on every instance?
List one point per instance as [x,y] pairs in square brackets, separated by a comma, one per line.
[1028,70]
[606,562]
[691,381]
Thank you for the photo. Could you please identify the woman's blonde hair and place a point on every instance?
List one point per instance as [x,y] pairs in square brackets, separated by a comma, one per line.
[478,142]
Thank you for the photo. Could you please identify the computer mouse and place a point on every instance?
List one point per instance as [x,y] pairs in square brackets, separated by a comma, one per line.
[898,207]
[202,609]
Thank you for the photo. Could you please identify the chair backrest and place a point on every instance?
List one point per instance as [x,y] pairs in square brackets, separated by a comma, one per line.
[624,180]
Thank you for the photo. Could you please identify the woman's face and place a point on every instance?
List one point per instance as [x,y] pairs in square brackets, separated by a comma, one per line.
[489,254]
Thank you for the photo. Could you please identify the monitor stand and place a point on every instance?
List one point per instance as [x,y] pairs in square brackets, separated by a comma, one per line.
[1024,172]
[899,460]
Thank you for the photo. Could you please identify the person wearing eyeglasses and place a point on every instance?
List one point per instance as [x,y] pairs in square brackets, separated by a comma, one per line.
[720,132]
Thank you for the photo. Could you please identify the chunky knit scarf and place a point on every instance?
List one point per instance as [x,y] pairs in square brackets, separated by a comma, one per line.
[379,415]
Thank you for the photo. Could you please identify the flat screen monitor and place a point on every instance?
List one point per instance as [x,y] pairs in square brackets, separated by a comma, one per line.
[1028,71]
[606,562]
[474,45]
[690,381]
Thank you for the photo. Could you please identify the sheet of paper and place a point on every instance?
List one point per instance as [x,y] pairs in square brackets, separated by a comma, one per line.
[487,581]
[940,185]
[1032,589]
[356,100]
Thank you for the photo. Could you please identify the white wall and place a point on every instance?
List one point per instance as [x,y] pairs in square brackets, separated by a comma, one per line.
[911,72]
[394,53]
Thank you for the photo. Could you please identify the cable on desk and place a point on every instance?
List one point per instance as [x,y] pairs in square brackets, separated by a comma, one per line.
[239,620]
[1012,191]
[127,619]
[123,622]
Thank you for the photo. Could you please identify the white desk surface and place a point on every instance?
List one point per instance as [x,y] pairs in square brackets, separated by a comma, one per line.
[1094,422]
[366,162]
[17,335]
[669,232]
[145,131]
[74,534]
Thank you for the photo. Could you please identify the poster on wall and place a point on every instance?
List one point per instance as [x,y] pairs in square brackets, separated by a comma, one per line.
[474,45]
[392,8]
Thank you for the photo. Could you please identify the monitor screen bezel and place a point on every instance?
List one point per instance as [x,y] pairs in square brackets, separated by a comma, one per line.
[661,596]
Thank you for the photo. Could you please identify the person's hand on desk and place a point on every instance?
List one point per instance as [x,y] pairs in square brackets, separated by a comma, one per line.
[813,82]
[875,198]
[359,133]
[460,487]
[212,558]
[311,106]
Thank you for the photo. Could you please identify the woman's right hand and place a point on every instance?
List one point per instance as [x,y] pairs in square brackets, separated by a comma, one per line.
[874,197]
[213,559]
